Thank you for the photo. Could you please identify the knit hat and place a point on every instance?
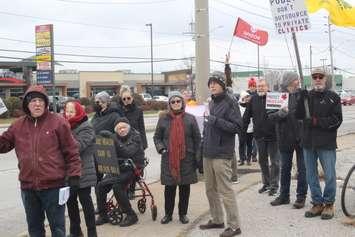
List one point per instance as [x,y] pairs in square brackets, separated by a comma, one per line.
[319,70]
[32,95]
[173,94]
[218,78]
[121,120]
[252,82]
[102,96]
[287,79]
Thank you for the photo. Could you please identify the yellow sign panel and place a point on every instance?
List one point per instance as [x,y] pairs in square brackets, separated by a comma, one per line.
[44,58]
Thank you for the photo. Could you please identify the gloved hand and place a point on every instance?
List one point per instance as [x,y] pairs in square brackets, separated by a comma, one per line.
[73,183]
[105,133]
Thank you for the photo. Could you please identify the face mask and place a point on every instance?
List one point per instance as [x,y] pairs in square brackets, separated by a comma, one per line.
[97,108]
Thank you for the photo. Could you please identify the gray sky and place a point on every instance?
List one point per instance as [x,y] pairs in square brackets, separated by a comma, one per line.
[117,28]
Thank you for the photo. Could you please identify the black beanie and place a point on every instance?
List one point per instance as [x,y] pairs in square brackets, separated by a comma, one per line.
[33,95]
[121,120]
[218,79]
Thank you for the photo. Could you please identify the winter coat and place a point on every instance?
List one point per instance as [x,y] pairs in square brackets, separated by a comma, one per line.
[320,129]
[288,128]
[192,142]
[45,147]
[135,116]
[264,128]
[220,127]
[130,147]
[85,135]
[105,120]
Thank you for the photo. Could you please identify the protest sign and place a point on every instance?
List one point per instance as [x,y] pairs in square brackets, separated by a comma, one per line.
[106,156]
[276,100]
[3,108]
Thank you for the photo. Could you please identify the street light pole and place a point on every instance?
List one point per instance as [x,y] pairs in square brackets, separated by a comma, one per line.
[151,56]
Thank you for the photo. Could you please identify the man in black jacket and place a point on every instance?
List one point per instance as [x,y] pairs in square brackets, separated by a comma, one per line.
[320,110]
[289,141]
[265,135]
[220,127]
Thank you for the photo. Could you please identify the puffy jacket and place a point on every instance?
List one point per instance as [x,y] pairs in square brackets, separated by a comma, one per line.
[220,127]
[45,147]
[320,129]
[85,135]
[135,116]
[106,120]
[264,128]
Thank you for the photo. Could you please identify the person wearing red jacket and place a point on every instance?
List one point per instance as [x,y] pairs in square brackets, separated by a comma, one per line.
[47,155]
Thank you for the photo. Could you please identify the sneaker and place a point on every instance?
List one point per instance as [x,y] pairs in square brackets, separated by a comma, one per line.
[129,220]
[316,210]
[264,188]
[272,191]
[101,220]
[234,179]
[299,203]
[280,201]
[229,232]
[211,225]
[328,212]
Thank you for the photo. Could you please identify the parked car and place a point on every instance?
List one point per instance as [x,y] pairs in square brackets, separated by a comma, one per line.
[160,98]
[146,96]
[346,98]
[60,102]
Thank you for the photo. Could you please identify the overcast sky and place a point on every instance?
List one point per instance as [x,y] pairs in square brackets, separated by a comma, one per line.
[117,28]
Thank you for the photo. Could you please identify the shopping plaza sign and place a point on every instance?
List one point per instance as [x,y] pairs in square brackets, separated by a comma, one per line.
[290,16]
[44,53]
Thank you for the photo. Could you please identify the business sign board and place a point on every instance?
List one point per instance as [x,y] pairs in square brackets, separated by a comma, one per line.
[290,16]
[44,53]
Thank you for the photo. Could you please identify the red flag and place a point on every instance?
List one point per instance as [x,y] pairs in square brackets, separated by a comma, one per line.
[246,31]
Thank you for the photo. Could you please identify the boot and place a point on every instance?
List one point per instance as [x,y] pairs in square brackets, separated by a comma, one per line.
[328,212]
[130,219]
[299,203]
[183,219]
[101,220]
[78,234]
[166,219]
[280,201]
[316,210]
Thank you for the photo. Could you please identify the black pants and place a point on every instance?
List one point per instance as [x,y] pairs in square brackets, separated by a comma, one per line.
[184,196]
[119,184]
[88,209]
[245,147]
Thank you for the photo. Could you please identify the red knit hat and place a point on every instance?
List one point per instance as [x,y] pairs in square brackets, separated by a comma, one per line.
[252,82]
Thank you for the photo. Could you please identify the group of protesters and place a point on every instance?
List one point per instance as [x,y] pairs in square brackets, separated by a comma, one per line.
[55,151]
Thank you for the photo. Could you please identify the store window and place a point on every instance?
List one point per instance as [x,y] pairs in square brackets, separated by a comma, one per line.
[16,92]
[73,92]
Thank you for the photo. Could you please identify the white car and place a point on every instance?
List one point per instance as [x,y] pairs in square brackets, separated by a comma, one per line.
[160,98]
[146,96]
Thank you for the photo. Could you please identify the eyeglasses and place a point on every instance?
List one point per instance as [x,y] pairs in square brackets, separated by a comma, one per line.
[315,77]
[126,98]
[175,102]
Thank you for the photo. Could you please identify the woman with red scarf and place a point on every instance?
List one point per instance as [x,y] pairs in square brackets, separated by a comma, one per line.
[177,139]
[85,136]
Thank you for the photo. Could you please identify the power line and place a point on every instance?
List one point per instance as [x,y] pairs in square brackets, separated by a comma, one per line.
[99,47]
[344,53]
[117,3]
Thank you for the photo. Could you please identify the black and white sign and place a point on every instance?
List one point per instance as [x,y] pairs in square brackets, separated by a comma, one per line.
[106,156]
[3,108]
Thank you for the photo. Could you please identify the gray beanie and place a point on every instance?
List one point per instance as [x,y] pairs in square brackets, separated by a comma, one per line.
[102,96]
[287,79]
[173,94]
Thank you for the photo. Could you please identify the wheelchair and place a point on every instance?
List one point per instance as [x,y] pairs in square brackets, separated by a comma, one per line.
[137,189]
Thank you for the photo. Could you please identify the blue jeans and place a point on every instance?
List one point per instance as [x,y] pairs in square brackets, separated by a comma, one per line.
[38,203]
[327,159]
[286,167]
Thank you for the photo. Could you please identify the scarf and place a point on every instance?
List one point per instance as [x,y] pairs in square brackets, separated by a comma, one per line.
[79,116]
[177,147]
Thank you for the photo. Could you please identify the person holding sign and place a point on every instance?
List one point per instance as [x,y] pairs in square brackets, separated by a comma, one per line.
[289,141]
[265,135]
[47,155]
[85,135]
[128,145]
[320,110]
[177,138]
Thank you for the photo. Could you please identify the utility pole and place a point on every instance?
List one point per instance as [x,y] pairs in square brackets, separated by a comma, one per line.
[202,48]
[331,54]
[193,35]
[151,57]
[310,59]
[323,62]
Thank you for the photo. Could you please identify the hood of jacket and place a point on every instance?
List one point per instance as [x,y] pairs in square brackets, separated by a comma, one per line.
[32,89]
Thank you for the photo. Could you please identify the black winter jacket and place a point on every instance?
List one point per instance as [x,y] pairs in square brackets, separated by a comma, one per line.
[288,128]
[135,116]
[320,129]
[264,128]
[105,120]
[220,127]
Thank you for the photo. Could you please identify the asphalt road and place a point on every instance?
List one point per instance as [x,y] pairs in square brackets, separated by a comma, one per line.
[12,217]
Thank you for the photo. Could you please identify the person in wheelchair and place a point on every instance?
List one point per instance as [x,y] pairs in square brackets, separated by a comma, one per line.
[128,145]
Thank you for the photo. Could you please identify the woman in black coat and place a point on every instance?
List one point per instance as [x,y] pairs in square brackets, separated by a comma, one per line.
[132,112]
[177,139]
